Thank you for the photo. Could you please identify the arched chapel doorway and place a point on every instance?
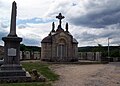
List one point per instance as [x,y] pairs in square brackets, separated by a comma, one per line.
[61,49]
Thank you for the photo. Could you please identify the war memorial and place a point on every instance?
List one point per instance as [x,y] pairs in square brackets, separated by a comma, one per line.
[11,70]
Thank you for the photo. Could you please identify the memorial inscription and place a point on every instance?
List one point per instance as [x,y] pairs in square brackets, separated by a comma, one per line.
[11,52]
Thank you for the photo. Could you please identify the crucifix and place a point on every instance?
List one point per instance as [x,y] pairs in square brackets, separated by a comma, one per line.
[60,17]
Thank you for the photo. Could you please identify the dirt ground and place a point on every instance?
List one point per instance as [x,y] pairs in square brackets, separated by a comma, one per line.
[87,75]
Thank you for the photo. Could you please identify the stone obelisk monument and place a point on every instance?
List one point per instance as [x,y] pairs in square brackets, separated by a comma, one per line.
[11,69]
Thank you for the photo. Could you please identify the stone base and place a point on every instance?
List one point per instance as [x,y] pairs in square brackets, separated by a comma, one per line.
[13,73]
[12,70]
[11,67]
[10,79]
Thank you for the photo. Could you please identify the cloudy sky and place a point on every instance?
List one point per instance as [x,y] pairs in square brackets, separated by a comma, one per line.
[91,22]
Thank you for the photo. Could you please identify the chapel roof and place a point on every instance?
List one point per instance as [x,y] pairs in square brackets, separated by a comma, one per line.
[75,41]
[59,29]
[47,39]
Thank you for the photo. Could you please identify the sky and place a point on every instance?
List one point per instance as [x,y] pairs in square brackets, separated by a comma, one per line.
[91,22]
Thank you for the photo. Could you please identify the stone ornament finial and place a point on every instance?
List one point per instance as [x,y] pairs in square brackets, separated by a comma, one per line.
[66,27]
[53,27]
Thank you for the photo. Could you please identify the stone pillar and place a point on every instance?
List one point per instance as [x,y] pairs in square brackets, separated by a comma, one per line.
[11,53]
[11,69]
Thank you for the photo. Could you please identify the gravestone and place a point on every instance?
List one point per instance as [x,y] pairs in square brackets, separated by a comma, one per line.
[12,70]
[27,55]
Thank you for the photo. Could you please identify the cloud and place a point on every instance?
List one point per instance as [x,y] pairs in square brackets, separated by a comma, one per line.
[22,26]
[61,6]
[90,21]
[98,14]
[88,13]
[23,23]
[4,24]
[93,36]
[31,42]
[98,20]
[35,32]
[3,28]
[34,20]
[2,34]
[85,36]
[0,4]
[31,9]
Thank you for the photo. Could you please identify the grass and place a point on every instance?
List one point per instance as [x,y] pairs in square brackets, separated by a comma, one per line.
[27,84]
[42,68]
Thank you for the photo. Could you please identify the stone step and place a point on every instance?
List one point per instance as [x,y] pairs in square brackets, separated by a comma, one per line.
[5,73]
[11,67]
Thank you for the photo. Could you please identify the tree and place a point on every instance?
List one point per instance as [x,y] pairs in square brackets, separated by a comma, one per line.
[22,47]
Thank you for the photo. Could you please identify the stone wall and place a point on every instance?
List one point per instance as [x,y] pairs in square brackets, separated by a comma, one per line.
[29,55]
[36,55]
[59,47]
[94,56]
[46,51]
[71,49]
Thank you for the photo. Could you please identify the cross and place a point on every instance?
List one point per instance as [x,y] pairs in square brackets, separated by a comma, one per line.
[60,17]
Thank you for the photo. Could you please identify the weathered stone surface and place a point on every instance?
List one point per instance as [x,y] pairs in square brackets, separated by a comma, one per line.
[37,77]
[11,70]
[13,20]
[59,45]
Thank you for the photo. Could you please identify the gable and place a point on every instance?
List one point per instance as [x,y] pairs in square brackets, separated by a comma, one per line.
[63,36]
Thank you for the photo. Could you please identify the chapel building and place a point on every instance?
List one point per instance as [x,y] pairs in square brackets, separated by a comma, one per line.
[59,45]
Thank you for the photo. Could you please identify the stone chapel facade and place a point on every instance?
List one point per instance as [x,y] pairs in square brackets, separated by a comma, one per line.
[59,45]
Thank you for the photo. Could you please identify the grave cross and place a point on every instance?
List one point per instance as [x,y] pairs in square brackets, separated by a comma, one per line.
[60,17]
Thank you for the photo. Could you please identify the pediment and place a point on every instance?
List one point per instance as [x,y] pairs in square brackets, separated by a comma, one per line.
[62,34]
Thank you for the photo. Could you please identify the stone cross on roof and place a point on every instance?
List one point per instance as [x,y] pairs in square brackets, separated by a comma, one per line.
[60,17]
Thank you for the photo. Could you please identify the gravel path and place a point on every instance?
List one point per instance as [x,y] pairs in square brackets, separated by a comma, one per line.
[88,75]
